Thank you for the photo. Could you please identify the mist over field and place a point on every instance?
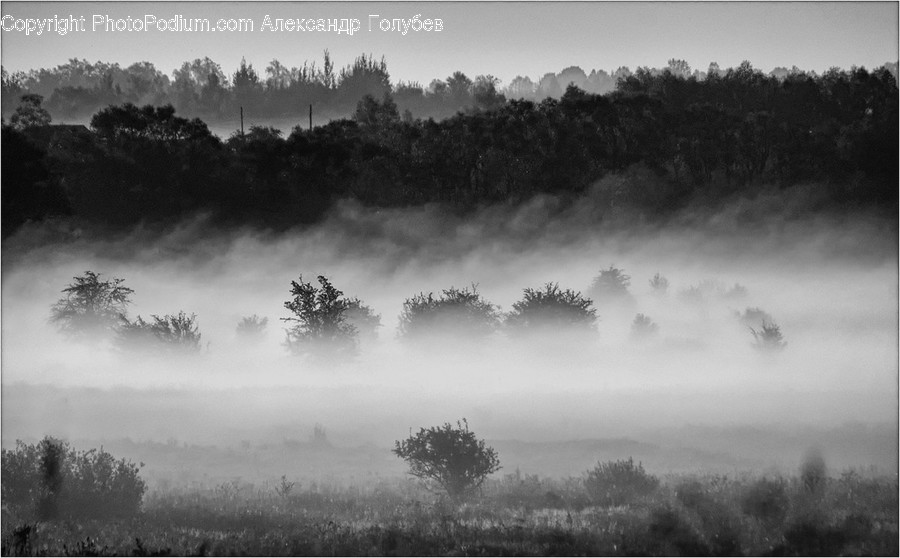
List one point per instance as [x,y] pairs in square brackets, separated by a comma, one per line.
[830,284]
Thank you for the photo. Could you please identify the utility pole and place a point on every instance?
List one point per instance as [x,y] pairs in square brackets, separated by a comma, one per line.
[310,118]
[242,122]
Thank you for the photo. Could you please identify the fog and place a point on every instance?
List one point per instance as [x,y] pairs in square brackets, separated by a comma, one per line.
[830,284]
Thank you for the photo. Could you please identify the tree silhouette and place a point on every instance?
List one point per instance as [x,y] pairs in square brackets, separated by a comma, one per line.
[450,458]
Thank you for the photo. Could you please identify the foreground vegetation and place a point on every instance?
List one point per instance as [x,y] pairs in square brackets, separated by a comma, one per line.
[518,515]
[616,508]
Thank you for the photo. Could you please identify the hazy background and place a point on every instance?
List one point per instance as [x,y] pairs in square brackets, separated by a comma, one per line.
[831,286]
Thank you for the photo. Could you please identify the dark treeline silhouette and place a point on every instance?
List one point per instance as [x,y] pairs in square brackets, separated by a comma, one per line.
[668,139]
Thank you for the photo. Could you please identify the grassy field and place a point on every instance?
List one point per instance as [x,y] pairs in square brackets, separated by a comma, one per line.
[850,514]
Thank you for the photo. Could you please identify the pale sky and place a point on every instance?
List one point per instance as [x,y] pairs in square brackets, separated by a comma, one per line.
[500,38]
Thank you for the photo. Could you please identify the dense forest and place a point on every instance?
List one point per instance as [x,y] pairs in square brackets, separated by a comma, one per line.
[675,138]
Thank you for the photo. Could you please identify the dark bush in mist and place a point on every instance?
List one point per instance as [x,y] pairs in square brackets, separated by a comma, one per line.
[611,286]
[321,322]
[813,473]
[91,307]
[768,337]
[448,458]
[251,328]
[659,284]
[754,317]
[178,333]
[50,480]
[616,483]
[460,311]
[643,328]
[551,308]
[363,318]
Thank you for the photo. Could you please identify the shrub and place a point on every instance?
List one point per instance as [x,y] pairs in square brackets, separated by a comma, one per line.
[449,458]
[643,328]
[461,311]
[768,337]
[551,307]
[753,317]
[766,500]
[91,306]
[50,480]
[659,284]
[251,328]
[611,284]
[363,318]
[321,322]
[178,333]
[813,473]
[616,483]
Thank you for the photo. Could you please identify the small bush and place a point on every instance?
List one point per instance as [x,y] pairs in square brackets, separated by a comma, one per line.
[251,328]
[551,308]
[616,483]
[768,337]
[179,333]
[813,473]
[50,480]
[363,318]
[659,284]
[753,317]
[643,328]
[611,285]
[459,311]
[91,307]
[321,322]
[449,458]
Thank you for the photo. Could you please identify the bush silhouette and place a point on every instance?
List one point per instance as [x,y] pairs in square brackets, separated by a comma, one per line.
[616,483]
[551,307]
[611,286]
[659,284]
[251,328]
[363,318]
[170,333]
[91,307]
[50,480]
[460,311]
[449,458]
[768,337]
[643,328]
[321,321]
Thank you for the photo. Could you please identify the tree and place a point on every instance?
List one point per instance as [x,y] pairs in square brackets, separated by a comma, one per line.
[615,483]
[768,337]
[176,333]
[551,308]
[30,113]
[460,311]
[321,320]
[611,284]
[449,458]
[251,328]
[643,328]
[49,480]
[91,306]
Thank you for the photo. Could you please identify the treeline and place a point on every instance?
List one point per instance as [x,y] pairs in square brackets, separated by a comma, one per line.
[201,88]
[676,140]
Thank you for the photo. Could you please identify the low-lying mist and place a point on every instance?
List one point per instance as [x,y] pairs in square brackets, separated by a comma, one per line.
[829,284]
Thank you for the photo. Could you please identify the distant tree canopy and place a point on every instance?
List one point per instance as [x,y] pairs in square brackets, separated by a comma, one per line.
[662,141]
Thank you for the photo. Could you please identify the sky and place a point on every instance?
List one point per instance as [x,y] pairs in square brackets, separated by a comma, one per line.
[504,39]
